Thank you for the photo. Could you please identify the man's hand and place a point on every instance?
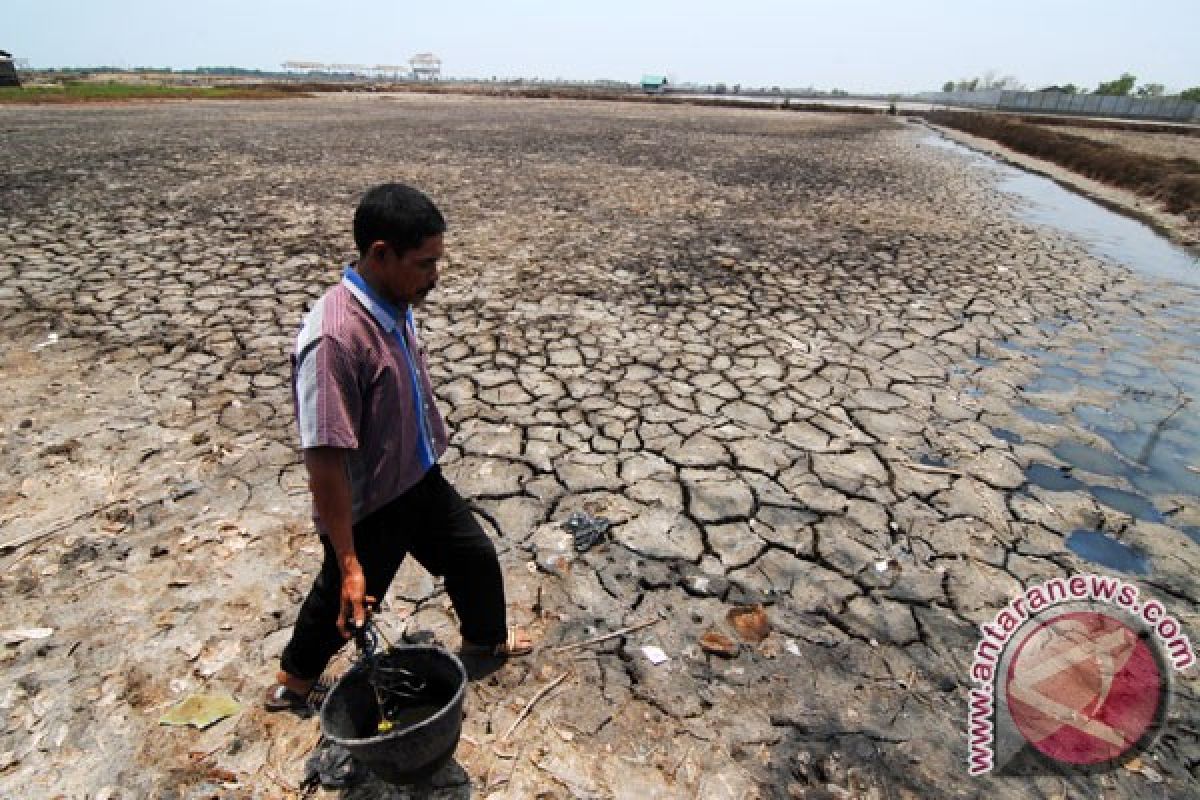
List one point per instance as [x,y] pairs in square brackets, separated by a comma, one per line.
[352,612]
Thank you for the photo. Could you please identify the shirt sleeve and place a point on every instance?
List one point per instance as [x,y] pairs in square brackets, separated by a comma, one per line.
[328,396]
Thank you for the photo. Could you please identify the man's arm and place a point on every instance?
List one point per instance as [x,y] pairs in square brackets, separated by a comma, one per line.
[330,486]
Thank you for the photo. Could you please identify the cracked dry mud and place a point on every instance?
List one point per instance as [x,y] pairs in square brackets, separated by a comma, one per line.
[734,333]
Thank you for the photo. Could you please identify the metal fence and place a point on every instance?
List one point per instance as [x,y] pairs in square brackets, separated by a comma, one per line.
[1173,109]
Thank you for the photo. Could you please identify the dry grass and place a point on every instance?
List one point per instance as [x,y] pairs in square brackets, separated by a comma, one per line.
[575,93]
[1113,125]
[1165,145]
[1175,182]
[83,92]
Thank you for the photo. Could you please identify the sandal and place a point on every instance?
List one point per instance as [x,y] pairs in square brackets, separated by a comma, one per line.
[511,647]
[281,698]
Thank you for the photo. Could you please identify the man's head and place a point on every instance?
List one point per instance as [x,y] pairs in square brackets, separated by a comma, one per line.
[398,231]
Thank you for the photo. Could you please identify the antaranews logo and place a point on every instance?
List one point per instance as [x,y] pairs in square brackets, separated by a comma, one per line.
[1076,670]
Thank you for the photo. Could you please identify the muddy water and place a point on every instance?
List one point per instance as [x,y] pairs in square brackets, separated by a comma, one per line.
[1125,410]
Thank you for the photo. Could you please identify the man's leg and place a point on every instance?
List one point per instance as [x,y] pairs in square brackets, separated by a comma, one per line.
[447,540]
[315,638]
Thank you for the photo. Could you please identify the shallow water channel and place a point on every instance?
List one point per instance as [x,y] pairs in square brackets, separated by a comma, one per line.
[1125,410]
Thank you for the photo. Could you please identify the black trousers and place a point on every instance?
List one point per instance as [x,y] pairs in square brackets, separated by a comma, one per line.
[434,523]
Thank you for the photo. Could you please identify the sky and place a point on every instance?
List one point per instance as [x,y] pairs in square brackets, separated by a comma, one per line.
[855,45]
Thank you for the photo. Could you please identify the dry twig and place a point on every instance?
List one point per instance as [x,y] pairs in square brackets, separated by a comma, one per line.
[605,637]
[529,706]
[25,538]
[931,468]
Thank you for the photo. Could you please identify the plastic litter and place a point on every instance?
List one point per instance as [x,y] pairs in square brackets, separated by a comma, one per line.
[332,766]
[586,530]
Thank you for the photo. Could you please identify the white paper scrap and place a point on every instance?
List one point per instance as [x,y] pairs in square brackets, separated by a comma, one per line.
[18,636]
[654,654]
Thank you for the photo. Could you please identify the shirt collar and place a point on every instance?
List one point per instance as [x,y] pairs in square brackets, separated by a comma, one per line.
[384,312]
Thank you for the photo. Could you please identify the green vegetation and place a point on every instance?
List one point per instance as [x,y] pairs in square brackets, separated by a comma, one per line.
[83,92]
[1119,88]
[1123,86]
[986,81]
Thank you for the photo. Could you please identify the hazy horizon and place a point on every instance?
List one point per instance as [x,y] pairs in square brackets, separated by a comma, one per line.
[858,46]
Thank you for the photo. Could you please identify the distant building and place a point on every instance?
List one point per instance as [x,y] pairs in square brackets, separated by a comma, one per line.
[426,67]
[8,71]
[654,84]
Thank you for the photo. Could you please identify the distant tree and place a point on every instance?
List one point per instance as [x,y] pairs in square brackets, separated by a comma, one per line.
[948,86]
[1192,94]
[839,93]
[1069,88]
[1118,88]
[1151,90]
[737,87]
[719,89]
[990,80]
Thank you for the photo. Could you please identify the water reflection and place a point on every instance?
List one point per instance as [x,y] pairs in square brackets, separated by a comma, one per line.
[1134,395]
[1103,549]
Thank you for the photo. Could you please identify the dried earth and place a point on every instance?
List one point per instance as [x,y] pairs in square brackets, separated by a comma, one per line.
[740,335]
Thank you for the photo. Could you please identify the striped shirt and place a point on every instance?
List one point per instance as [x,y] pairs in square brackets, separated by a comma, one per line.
[361,383]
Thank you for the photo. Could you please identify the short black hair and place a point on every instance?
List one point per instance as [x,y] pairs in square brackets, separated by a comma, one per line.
[397,214]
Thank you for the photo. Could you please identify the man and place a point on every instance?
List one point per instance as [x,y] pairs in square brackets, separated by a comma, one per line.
[372,435]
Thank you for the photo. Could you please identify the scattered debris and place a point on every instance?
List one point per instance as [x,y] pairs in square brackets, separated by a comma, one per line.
[25,634]
[933,469]
[586,530]
[201,710]
[655,655]
[699,584]
[545,690]
[557,563]
[750,622]
[332,767]
[51,338]
[607,636]
[718,644]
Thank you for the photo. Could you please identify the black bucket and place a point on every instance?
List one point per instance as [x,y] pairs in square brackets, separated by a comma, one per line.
[408,753]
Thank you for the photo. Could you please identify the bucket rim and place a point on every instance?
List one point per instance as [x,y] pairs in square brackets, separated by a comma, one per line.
[454,702]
